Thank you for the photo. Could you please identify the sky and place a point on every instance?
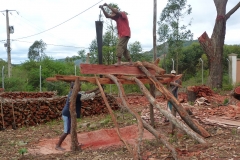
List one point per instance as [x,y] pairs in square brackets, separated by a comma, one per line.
[68,26]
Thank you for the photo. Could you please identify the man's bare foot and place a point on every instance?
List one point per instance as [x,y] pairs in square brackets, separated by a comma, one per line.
[59,148]
[130,64]
[117,64]
[80,144]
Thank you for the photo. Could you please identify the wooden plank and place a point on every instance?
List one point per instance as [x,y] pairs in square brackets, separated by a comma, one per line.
[221,121]
[112,69]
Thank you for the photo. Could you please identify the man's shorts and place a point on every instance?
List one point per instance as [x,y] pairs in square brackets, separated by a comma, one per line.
[66,124]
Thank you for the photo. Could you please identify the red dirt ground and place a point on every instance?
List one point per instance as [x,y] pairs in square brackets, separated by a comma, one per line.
[92,140]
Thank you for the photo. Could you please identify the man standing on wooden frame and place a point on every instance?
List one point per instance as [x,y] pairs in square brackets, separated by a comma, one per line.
[124,31]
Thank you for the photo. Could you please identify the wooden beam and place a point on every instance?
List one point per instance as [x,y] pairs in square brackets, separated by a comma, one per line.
[112,69]
[71,78]
[51,79]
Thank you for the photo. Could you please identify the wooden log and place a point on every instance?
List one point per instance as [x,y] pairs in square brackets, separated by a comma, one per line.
[191,95]
[182,112]
[74,140]
[236,93]
[111,69]
[164,79]
[158,70]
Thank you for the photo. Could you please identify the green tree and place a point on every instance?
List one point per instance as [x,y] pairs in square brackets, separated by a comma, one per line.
[190,59]
[109,49]
[36,50]
[82,55]
[93,49]
[171,31]
[135,50]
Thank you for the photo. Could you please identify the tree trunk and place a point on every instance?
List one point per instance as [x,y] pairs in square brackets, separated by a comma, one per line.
[74,140]
[236,93]
[191,95]
[214,46]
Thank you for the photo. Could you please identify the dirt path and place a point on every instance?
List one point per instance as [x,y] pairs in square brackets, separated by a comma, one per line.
[99,139]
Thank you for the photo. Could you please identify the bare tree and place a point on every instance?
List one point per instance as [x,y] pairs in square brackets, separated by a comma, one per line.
[214,46]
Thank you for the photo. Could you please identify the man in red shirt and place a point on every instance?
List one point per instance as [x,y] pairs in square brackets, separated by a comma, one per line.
[124,32]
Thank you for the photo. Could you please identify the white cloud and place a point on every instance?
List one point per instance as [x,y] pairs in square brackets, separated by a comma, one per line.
[39,15]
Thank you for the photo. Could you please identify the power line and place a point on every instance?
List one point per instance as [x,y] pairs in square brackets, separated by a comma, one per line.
[34,26]
[53,44]
[61,23]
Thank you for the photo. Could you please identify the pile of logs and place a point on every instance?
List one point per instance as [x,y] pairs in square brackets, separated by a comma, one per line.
[30,109]
[202,91]
[20,95]
[97,106]
[236,93]
[198,91]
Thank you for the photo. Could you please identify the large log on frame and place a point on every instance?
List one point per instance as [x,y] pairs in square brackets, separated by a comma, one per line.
[113,69]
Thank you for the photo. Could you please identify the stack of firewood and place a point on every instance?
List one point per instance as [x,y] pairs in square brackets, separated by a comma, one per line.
[202,91]
[97,106]
[21,95]
[17,108]
[30,111]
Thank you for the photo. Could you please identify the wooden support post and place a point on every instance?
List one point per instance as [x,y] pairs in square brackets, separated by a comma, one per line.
[74,140]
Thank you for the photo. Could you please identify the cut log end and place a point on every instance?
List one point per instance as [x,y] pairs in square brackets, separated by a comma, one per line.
[237,90]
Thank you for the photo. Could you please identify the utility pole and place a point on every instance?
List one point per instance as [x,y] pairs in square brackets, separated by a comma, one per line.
[8,43]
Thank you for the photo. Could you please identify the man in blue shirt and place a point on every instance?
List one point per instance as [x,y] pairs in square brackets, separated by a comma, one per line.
[66,113]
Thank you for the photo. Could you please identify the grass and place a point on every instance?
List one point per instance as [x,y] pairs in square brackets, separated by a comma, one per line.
[191,103]
[225,102]
[22,151]
[53,122]
[234,131]
[172,138]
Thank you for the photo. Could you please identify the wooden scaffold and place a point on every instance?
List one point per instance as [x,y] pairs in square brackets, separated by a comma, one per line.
[139,73]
